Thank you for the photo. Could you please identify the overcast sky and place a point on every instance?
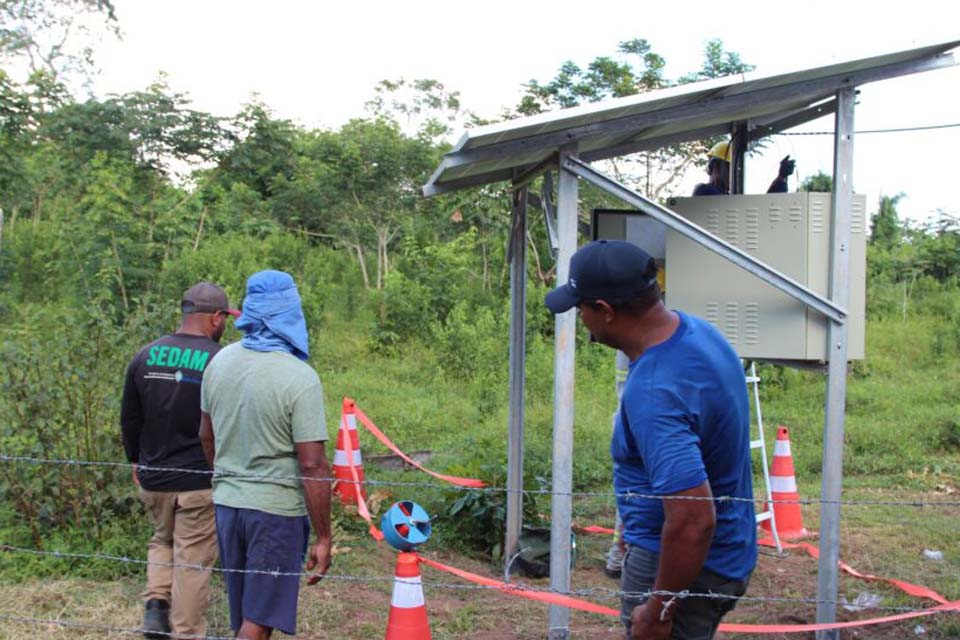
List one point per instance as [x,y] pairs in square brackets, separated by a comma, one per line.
[317,63]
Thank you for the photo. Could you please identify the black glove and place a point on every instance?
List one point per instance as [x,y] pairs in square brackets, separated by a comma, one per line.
[786,167]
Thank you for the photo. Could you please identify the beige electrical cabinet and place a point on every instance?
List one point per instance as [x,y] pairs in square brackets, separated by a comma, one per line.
[791,233]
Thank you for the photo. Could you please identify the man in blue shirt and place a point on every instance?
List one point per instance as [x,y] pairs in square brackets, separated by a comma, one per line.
[682,435]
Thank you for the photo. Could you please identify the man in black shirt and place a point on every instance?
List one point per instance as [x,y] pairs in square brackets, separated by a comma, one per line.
[718,169]
[160,423]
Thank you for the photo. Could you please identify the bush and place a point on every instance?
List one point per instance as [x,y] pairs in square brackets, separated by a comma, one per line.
[61,387]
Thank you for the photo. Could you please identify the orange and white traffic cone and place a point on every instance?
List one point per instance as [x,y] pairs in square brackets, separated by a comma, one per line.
[783,486]
[408,612]
[347,461]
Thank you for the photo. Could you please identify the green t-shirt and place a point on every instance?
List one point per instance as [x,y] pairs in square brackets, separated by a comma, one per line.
[260,404]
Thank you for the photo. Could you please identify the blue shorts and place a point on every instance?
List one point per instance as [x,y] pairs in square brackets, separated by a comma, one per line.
[252,540]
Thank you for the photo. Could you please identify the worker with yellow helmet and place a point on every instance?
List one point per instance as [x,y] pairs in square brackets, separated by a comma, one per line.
[718,168]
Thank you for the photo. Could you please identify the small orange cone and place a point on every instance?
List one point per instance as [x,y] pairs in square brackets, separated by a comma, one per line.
[783,486]
[349,476]
[408,613]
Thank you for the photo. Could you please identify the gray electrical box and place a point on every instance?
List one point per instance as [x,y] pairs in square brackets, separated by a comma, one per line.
[789,232]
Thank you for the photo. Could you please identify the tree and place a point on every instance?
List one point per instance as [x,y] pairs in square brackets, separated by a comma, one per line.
[940,247]
[53,37]
[885,228]
[356,187]
[640,69]
[262,150]
[422,107]
[819,181]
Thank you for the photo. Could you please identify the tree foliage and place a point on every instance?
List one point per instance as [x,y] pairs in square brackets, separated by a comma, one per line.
[636,68]
[54,38]
[819,181]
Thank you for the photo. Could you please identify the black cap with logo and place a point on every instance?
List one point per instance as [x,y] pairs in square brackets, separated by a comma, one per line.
[608,270]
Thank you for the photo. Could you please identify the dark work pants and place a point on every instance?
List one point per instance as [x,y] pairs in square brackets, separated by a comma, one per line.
[694,618]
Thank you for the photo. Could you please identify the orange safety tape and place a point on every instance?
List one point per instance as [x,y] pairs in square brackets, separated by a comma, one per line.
[583,605]
[515,590]
[915,590]
[368,423]
[826,626]
[362,509]
[596,529]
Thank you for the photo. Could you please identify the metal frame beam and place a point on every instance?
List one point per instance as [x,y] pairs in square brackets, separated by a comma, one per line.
[703,237]
[836,400]
[527,176]
[635,145]
[714,103]
[476,180]
[763,128]
[517,255]
[561,512]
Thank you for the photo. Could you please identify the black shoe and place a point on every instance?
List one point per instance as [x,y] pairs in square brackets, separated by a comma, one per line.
[156,619]
[613,574]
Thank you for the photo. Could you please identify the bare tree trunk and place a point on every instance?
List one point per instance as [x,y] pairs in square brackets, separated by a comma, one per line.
[383,259]
[541,276]
[363,266]
[486,266]
[386,259]
[123,289]
[203,215]
[37,207]
[379,261]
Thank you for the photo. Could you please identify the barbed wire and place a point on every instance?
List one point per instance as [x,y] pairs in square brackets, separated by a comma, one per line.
[928,127]
[89,626]
[448,487]
[600,592]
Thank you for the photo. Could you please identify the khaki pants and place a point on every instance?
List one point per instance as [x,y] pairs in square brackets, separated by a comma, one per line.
[184,533]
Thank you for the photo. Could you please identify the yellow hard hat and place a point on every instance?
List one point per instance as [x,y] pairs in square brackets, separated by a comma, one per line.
[720,150]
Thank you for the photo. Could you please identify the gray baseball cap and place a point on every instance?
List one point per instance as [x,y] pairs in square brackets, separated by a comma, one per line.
[206,297]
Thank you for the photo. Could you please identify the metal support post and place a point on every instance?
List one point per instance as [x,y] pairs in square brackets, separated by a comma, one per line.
[832,481]
[738,166]
[561,514]
[518,344]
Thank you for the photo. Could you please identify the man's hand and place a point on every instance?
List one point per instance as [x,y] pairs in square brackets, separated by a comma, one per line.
[646,624]
[319,562]
[786,167]
[136,478]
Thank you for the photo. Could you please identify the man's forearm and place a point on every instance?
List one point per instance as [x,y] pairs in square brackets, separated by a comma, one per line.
[685,540]
[316,493]
[207,440]
[683,550]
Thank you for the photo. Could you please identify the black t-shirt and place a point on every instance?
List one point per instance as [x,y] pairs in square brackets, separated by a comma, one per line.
[160,411]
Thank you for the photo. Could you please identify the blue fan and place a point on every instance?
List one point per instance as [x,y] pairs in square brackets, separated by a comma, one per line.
[405,525]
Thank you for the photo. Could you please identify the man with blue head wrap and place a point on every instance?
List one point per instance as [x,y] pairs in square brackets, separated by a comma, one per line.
[272,317]
[262,427]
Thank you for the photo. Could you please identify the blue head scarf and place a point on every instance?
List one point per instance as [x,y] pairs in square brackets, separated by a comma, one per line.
[272,317]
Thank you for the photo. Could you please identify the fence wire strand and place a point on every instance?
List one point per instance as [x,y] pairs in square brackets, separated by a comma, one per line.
[928,127]
[90,626]
[448,487]
[600,592]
